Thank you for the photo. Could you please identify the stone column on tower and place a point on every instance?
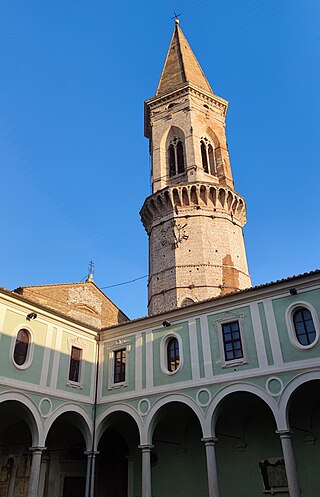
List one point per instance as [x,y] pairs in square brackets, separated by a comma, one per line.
[194,217]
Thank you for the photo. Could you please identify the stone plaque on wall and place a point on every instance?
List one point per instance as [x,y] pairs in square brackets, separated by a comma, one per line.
[274,476]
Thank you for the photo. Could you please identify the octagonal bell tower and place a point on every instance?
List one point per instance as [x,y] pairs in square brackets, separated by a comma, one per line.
[194,217]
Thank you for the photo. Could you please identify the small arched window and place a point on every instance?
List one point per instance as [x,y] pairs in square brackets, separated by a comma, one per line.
[176,156]
[208,157]
[173,355]
[21,347]
[187,301]
[304,326]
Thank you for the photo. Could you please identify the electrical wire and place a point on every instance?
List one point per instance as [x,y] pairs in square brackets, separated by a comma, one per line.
[124,282]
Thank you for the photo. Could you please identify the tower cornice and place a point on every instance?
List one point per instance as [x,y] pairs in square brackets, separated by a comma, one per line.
[152,104]
[193,199]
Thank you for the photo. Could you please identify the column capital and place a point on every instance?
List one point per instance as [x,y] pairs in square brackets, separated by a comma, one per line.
[209,440]
[37,449]
[146,447]
[91,453]
[284,433]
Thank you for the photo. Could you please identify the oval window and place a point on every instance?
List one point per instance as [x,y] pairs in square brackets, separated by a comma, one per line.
[21,347]
[304,326]
[173,355]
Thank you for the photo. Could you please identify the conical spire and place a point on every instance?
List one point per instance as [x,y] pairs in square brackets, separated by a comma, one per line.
[181,66]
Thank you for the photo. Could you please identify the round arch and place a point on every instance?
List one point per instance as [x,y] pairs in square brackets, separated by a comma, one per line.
[82,421]
[32,414]
[216,404]
[103,423]
[153,415]
[288,391]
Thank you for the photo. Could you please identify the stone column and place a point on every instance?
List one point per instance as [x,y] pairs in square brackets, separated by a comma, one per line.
[130,476]
[146,470]
[43,471]
[290,463]
[213,488]
[35,471]
[87,489]
[90,474]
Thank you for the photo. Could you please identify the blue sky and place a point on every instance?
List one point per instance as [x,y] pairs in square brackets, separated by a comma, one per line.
[74,162]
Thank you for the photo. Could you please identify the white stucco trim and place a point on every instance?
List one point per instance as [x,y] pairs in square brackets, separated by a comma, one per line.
[258,335]
[2,318]
[163,353]
[138,362]
[194,349]
[230,317]
[243,375]
[290,325]
[80,344]
[85,424]
[120,344]
[102,422]
[46,355]
[206,348]
[56,359]
[288,391]
[149,359]
[36,424]
[215,406]
[154,414]
[273,332]
[30,351]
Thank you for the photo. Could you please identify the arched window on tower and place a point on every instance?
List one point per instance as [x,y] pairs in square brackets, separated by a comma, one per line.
[176,156]
[208,157]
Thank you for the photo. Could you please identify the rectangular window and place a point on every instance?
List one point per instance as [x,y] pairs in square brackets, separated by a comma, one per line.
[75,361]
[232,341]
[119,373]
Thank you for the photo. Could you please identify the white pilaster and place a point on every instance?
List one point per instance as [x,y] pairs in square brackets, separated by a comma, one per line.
[46,356]
[207,358]
[149,359]
[273,333]
[258,335]
[56,359]
[194,352]
[138,363]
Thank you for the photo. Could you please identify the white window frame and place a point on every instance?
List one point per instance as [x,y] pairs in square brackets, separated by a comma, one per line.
[229,317]
[111,350]
[290,324]
[79,344]
[164,353]
[30,352]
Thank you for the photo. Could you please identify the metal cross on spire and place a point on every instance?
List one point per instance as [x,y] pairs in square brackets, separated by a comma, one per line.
[91,267]
[90,272]
[176,17]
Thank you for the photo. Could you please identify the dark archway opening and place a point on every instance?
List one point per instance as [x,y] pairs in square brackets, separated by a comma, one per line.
[248,448]
[178,459]
[15,457]
[118,464]
[304,420]
[65,462]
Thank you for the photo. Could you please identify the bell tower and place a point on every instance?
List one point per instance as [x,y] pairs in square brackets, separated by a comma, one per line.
[194,217]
